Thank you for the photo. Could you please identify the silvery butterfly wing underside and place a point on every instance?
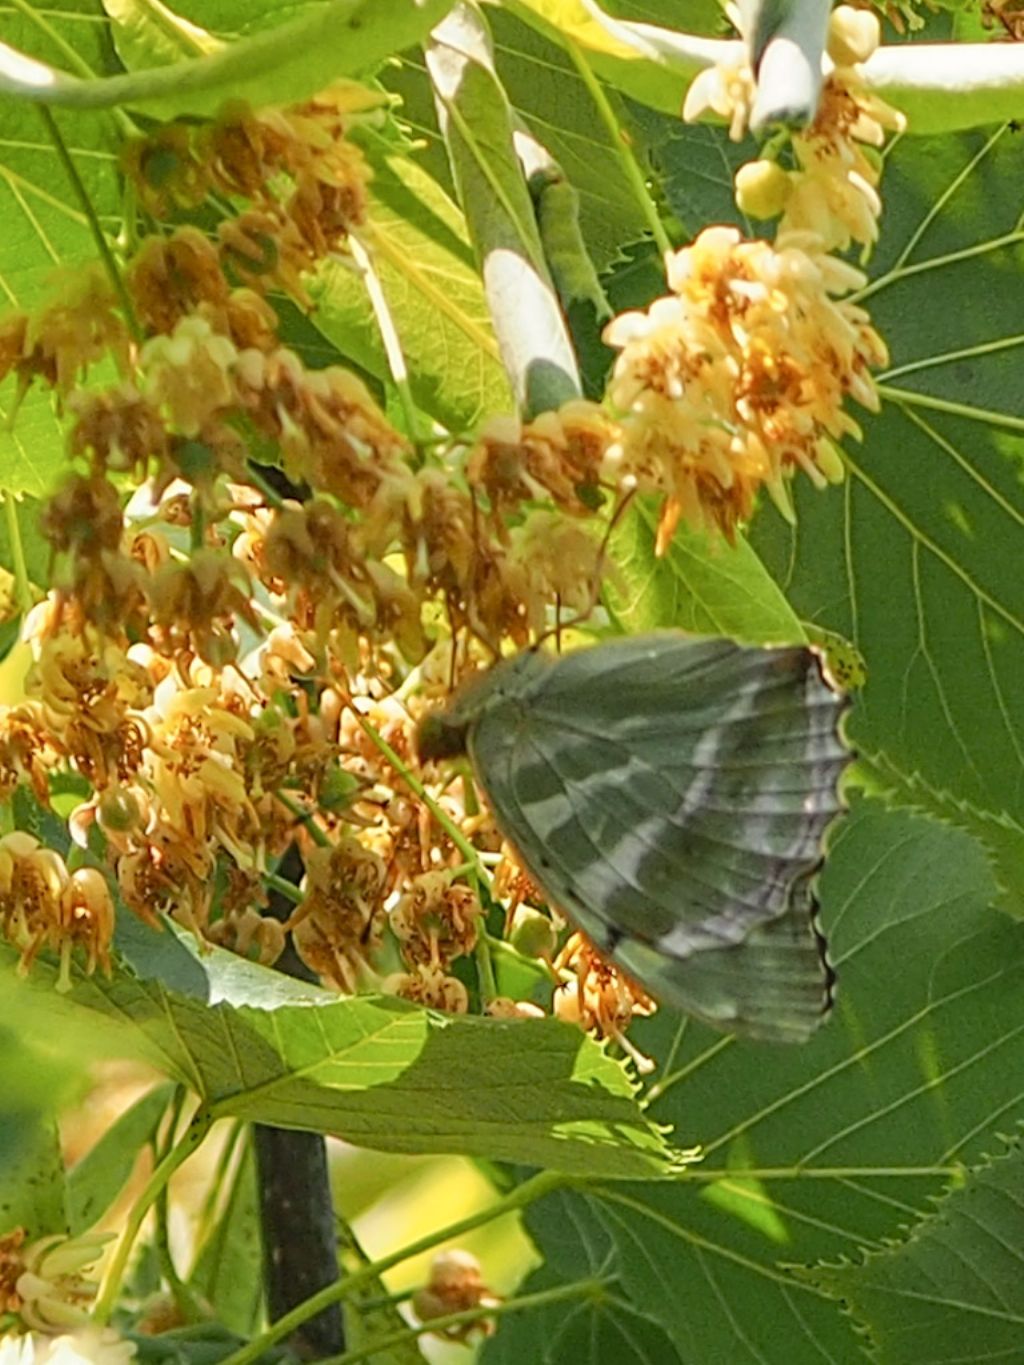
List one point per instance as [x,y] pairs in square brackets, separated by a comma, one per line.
[670,795]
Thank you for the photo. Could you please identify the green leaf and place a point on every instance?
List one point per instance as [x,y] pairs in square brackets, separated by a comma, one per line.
[476,122]
[35,549]
[616,55]
[256,1045]
[229,1267]
[700,584]
[370,1312]
[548,94]
[96,1181]
[422,256]
[44,226]
[287,62]
[38,1083]
[695,164]
[203,1343]
[814,1153]
[953,1291]
[154,35]
[912,559]
[31,1176]
[591,1331]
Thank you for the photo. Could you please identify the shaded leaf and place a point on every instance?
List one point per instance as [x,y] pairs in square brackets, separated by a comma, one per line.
[911,559]
[954,1290]
[229,1266]
[205,1343]
[31,1175]
[588,1331]
[549,95]
[815,1153]
[37,1084]
[695,164]
[98,1178]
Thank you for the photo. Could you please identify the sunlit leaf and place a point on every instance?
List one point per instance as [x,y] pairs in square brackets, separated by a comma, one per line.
[254,1044]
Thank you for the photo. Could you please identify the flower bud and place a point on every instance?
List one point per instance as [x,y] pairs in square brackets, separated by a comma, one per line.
[532,934]
[853,35]
[762,188]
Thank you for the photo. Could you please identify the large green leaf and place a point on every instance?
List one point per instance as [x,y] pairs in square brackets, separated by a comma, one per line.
[695,164]
[549,97]
[228,1266]
[914,558]
[302,53]
[700,584]
[37,1084]
[422,256]
[475,117]
[96,1181]
[591,1330]
[45,228]
[953,1291]
[381,1073]
[842,1140]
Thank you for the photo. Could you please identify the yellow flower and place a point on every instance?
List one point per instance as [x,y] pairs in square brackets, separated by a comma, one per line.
[739,377]
[53,1291]
[189,374]
[455,1285]
[556,456]
[436,920]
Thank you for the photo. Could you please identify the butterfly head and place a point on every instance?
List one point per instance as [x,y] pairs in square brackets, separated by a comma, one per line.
[442,734]
[445,734]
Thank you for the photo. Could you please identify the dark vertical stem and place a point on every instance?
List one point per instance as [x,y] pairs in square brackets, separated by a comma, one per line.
[300,1253]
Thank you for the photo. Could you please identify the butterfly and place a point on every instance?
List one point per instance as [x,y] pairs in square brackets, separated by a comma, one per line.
[670,795]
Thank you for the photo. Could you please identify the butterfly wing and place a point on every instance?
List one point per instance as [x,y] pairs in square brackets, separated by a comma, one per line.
[775,986]
[670,795]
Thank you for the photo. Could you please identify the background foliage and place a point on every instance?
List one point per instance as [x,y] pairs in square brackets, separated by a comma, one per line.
[857,1197]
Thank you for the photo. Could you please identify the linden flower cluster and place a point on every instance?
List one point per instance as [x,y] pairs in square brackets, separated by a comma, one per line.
[234,657]
[44,905]
[738,378]
[43,1282]
[599,997]
[244,154]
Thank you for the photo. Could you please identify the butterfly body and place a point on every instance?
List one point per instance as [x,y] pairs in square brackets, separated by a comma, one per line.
[671,795]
